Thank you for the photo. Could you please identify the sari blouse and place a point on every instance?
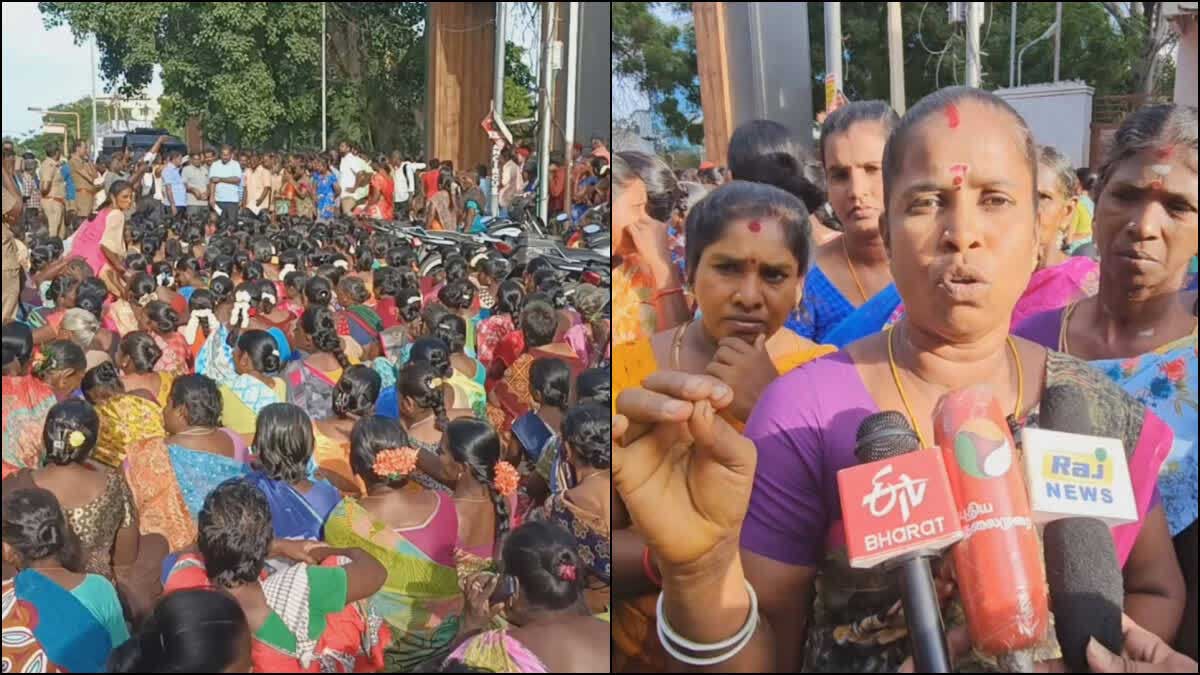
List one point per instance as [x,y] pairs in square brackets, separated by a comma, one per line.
[592,542]
[47,629]
[27,401]
[295,515]
[823,308]
[124,420]
[491,331]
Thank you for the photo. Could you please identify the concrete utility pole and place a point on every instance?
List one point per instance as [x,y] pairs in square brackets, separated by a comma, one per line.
[895,57]
[1012,48]
[549,35]
[974,19]
[572,94]
[324,39]
[1057,36]
[833,44]
[497,105]
[95,141]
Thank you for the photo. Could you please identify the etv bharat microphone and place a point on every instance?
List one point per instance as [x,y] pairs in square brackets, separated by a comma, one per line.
[897,510]
[998,563]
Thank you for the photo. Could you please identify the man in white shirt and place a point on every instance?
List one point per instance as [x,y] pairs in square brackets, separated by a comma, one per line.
[510,180]
[354,177]
[404,177]
[225,179]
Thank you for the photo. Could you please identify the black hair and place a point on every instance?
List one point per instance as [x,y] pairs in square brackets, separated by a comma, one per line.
[60,355]
[43,252]
[536,553]
[235,531]
[357,391]
[142,351]
[355,288]
[452,329]
[252,270]
[318,291]
[295,281]
[476,444]
[457,294]
[510,297]
[432,314]
[594,384]
[221,288]
[136,261]
[18,343]
[62,421]
[190,631]
[283,441]
[319,324]
[416,382]
[408,304]
[539,322]
[220,262]
[264,290]
[370,436]
[551,378]
[587,428]
[60,286]
[163,316]
[662,190]
[202,299]
[102,378]
[91,295]
[537,264]
[1163,124]
[262,349]
[765,151]
[200,397]
[896,148]
[840,121]
[434,351]
[34,524]
[456,267]
[739,200]
[141,285]
[162,271]
[1086,178]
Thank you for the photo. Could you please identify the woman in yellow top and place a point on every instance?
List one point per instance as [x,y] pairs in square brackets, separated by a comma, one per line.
[748,249]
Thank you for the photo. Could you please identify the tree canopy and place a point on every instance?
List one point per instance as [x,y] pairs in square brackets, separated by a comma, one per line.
[251,71]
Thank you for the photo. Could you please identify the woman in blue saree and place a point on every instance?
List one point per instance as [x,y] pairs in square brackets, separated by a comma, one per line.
[283,449]
[849,292]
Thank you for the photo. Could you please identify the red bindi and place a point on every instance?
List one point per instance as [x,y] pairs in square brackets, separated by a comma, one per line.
[754,226]
[952,116]
[1165,152]
[1156,184]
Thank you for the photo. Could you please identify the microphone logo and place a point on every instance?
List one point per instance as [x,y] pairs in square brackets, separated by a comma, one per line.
[905,490]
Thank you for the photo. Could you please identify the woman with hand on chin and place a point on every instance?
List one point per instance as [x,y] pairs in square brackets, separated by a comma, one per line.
[747,253]
[1140,329]
[756,512]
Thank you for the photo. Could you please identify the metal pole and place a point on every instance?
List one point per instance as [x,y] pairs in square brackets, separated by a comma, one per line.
[324,136]
[895,57]
[1057,36]
[1012,48]
[549,36]
[497,104]
[974,15]
[833,43]
[95,145]
[571,94]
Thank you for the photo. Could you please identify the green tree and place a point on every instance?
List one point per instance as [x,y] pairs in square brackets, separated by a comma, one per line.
[35,141]
[520,84]
[661,61]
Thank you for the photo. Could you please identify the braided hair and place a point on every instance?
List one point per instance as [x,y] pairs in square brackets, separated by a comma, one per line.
[476,444]
[318,323]
[417,382]
[62,444]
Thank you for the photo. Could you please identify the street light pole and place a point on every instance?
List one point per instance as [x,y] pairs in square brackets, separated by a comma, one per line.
[95,145]
[497,105]
[547,110]
[571,93]
[78,123]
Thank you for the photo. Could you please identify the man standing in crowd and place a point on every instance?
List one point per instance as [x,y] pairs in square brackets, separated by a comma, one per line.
[598,149]
[354,177]
[83,174]
[210,156]
[510,180]
[195,179]
[174,189]
[31,192]
[10,245]
[258,186]
[225,180]
[485,184]
[54,190]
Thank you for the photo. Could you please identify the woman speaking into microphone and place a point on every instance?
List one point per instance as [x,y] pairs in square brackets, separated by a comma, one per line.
[750,526]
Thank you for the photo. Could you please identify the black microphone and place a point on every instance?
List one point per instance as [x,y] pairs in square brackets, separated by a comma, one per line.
[881,436]
[1087,591]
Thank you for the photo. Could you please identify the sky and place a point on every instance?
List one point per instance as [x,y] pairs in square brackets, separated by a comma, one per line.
[626,98]
[41,68]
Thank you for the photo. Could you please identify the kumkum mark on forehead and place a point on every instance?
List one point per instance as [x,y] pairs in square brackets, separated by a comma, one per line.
[754,226]
[959,173]
[952,115]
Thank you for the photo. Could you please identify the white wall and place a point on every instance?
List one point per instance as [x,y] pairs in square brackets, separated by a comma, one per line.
[1059,114]
[1185,60]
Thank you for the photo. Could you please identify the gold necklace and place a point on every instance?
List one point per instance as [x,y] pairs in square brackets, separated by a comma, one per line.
[850,265]
[1012,346]
[677,343]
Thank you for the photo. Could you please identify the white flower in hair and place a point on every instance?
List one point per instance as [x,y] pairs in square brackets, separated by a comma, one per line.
[342,264]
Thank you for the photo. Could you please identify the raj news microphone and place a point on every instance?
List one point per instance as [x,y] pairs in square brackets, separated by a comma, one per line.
[898,511]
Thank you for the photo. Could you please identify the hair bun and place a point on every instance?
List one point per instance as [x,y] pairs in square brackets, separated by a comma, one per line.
[48,534]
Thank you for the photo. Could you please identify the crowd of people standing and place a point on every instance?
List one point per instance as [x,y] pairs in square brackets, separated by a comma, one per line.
[248,423]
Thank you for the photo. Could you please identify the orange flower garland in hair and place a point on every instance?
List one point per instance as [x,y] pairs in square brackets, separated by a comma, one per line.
[395,463]
[507,478]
